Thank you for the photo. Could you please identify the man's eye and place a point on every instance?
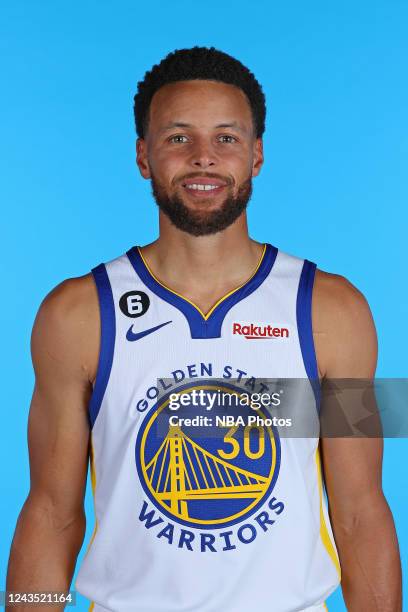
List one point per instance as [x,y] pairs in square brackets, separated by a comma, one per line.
[178,138]
[227,138]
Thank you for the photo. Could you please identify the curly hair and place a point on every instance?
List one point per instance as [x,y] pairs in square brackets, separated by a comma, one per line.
[198,63]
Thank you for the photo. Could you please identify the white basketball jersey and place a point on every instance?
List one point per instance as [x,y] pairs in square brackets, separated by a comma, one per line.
[196,511]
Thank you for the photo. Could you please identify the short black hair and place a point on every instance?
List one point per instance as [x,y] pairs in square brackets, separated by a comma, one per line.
[205,63]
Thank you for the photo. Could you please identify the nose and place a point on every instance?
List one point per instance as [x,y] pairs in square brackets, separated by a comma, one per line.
[203,155]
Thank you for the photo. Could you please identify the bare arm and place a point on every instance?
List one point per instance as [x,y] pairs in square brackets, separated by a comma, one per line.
[346,345]
[51,526]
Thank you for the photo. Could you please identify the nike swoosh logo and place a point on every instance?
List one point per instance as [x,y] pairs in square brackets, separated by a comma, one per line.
[131,336]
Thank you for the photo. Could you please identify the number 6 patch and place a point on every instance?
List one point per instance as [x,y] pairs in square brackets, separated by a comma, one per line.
[134,303]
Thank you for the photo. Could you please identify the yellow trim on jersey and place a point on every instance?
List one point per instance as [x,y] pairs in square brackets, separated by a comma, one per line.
[205,316]
[325,606]
[93,483]
[324,533]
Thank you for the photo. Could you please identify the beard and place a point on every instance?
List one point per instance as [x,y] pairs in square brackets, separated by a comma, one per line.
[202,222]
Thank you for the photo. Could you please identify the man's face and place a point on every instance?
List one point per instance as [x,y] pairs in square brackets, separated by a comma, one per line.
[200,152]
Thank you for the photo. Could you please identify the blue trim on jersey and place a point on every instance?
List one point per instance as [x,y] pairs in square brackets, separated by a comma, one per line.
[305,329]
[199,326]
[108,332]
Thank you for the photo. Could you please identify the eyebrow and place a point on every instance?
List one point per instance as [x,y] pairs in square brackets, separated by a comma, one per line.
[178,124]
[232,124]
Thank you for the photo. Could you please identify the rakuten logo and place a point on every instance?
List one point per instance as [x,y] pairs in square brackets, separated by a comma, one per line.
[254,331]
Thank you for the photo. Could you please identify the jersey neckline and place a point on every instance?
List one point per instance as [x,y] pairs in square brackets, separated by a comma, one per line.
[204,325]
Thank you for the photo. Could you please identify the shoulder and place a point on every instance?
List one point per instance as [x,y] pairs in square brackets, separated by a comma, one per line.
[343,328]
[335,294]
[67,326]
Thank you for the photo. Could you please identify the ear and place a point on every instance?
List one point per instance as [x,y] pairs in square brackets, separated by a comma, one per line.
[141,158]
[258,157]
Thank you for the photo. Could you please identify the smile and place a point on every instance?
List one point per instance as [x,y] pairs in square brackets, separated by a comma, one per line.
[200,187]
[204,186]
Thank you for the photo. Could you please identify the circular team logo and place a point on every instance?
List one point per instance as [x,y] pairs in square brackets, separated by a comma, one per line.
[199,469]
[134,303]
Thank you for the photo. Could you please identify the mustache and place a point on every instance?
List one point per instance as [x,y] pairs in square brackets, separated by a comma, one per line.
[209,175]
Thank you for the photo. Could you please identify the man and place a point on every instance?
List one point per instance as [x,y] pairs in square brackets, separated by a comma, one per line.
[206,517]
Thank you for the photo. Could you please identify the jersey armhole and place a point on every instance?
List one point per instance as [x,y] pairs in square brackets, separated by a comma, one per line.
[107,341]
[305,328]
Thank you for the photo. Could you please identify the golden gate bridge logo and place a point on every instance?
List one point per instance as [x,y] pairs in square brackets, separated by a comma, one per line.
[204,478]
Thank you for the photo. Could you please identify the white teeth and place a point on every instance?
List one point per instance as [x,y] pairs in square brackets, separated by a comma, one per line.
[200,187]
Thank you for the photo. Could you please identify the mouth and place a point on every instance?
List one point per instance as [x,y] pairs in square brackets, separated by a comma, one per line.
[204,187]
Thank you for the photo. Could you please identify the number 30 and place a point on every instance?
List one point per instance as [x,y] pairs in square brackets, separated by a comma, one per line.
[235,450]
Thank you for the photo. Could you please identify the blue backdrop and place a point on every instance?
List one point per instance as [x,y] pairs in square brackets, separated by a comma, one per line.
[331,190]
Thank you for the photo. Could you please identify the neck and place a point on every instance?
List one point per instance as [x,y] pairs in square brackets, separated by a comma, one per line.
[205,265]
